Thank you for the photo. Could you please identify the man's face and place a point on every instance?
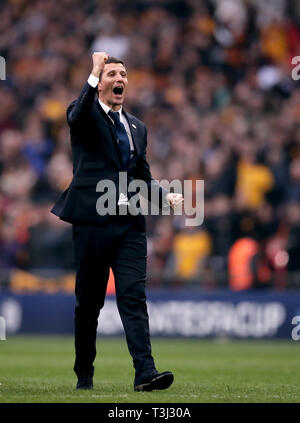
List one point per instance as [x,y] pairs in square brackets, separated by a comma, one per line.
[112,86]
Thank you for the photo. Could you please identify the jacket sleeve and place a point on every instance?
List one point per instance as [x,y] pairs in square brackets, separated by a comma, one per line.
[79,110]
[156,193]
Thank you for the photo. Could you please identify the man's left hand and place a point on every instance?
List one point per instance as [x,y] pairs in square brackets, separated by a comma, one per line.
[175,200]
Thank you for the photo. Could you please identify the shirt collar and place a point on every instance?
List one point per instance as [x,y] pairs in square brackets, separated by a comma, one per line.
[106,108]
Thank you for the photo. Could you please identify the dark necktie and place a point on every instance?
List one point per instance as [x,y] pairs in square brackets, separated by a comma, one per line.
[122,136]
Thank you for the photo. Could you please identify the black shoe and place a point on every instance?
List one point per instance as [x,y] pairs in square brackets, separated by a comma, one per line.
[85,382]
[154,381]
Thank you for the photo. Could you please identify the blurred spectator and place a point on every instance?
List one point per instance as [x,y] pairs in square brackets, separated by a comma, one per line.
[293,191]
[47,251]
[241,254]
[293,239]
[254,180]
[36,148]
[191,247]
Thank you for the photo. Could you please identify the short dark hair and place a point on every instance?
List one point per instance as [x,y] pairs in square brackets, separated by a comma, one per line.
[112,59]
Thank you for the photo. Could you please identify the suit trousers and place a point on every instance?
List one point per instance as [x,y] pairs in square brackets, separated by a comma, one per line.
[121,244]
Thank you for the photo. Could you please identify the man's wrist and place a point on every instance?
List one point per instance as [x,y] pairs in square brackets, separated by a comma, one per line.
[165,200]
[93,80]
[96,71]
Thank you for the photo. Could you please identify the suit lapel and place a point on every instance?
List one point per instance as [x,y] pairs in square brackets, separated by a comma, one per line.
[111,129]
[133,131]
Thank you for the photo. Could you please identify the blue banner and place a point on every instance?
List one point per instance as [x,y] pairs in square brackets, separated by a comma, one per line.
[248,314]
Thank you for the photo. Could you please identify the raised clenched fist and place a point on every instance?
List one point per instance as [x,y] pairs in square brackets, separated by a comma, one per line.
[175,200]
[99,59]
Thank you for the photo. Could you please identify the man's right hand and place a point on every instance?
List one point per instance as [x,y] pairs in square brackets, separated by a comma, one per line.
[99,59]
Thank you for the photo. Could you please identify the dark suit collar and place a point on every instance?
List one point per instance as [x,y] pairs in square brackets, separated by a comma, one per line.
[104,114]
[117,156]
[131,122]
[133,130]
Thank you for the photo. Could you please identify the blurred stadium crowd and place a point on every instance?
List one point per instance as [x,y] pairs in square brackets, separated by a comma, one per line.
[212,81]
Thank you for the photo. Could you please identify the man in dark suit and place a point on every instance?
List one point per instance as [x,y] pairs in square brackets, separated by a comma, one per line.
[105,141]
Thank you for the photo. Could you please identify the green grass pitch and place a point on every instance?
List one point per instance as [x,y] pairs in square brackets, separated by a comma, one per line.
[39,369]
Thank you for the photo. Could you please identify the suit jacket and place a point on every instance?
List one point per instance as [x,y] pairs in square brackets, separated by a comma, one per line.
[96,156]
